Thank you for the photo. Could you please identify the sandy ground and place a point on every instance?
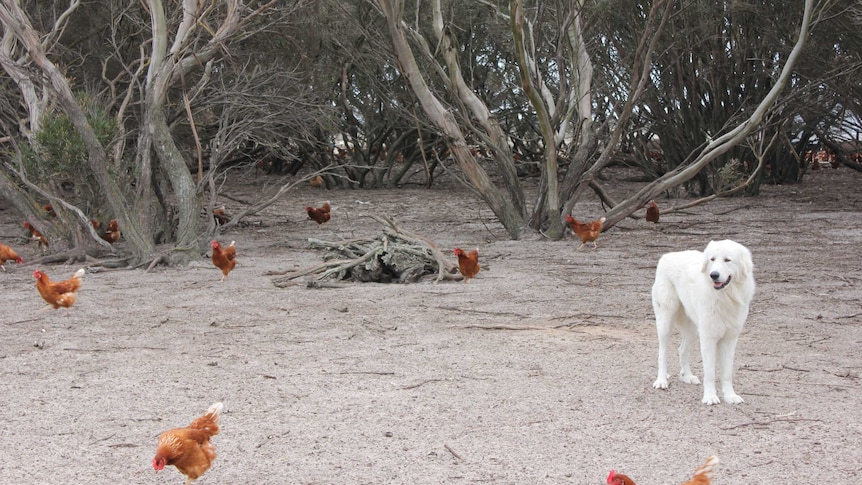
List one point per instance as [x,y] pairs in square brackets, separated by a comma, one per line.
[539,371]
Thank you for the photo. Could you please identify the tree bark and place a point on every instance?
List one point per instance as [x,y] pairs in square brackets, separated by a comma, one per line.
[497,138]
[509,216]
[548,202]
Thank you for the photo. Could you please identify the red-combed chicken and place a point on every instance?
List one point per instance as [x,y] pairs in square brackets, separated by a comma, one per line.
[468,263]
[189,449]
[35,234]
[49,209]
[615,478]
[703,474]
[61,293]
[8,254]
[587,231]
[112,235]
[652,212]
[320,214]
[224,259]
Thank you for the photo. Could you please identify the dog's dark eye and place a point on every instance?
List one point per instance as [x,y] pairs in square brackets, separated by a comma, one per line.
[712,258]
[726,260]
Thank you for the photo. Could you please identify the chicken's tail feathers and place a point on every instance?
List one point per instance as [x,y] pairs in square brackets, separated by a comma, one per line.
[79,273]
[707,468]
[231,243]
[603,219]
[209,421]
[216,408]
[215,411]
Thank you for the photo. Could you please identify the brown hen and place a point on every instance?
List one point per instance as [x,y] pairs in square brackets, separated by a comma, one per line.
[468,263]
[189,449]
[587,231]
[224,259]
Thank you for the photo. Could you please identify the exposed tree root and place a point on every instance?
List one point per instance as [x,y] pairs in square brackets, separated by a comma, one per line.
[162,258]
[70,256]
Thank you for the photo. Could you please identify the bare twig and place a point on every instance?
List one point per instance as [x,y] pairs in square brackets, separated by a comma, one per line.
[450,450]
[784,418]
[499,327]
[420,384]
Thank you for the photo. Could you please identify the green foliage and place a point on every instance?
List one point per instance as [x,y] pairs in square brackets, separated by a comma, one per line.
[58,158]
[59,150]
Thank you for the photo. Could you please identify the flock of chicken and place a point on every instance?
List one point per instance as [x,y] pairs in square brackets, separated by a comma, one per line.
[189,449]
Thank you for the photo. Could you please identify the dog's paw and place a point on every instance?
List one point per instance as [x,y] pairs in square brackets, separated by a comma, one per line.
[660,383]
[732,398]
[710,399]
[689,378]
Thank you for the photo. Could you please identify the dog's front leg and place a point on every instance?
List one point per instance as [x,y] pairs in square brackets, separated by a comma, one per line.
[707,350]
[726,350]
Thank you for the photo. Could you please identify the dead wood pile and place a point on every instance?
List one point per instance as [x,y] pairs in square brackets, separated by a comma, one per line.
[396,256]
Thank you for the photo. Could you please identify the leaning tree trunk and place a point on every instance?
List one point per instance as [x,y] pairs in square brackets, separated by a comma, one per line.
[494,135]
[509,216]
[722,144]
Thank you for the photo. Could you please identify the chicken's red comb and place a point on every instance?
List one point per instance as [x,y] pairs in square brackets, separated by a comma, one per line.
[611,476]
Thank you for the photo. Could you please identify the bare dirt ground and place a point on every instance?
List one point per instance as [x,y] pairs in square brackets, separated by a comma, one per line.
[539,371]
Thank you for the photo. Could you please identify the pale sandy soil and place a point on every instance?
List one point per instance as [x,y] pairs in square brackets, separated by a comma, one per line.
[537,372]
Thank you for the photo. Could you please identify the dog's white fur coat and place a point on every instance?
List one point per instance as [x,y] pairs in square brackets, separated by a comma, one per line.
[707,295]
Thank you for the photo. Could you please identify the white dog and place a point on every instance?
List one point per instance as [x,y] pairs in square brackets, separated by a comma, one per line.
[707,295]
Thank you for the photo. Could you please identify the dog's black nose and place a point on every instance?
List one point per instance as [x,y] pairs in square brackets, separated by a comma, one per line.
[714,275]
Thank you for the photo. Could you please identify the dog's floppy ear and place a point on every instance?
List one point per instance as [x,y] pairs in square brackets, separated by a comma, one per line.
[745,263]
[705,265]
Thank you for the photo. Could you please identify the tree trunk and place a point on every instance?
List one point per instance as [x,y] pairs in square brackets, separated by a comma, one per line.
[496,137]
[189,204]
[547,209]
[508,215]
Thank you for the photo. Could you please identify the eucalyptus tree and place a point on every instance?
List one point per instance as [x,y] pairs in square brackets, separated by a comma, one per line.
[556,60]
[553,76]
[182,85]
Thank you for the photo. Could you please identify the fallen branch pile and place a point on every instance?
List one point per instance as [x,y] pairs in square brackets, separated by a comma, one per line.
[396,256]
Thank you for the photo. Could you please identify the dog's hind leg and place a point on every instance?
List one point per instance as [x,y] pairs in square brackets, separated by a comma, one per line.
[663,324]
[686,346]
